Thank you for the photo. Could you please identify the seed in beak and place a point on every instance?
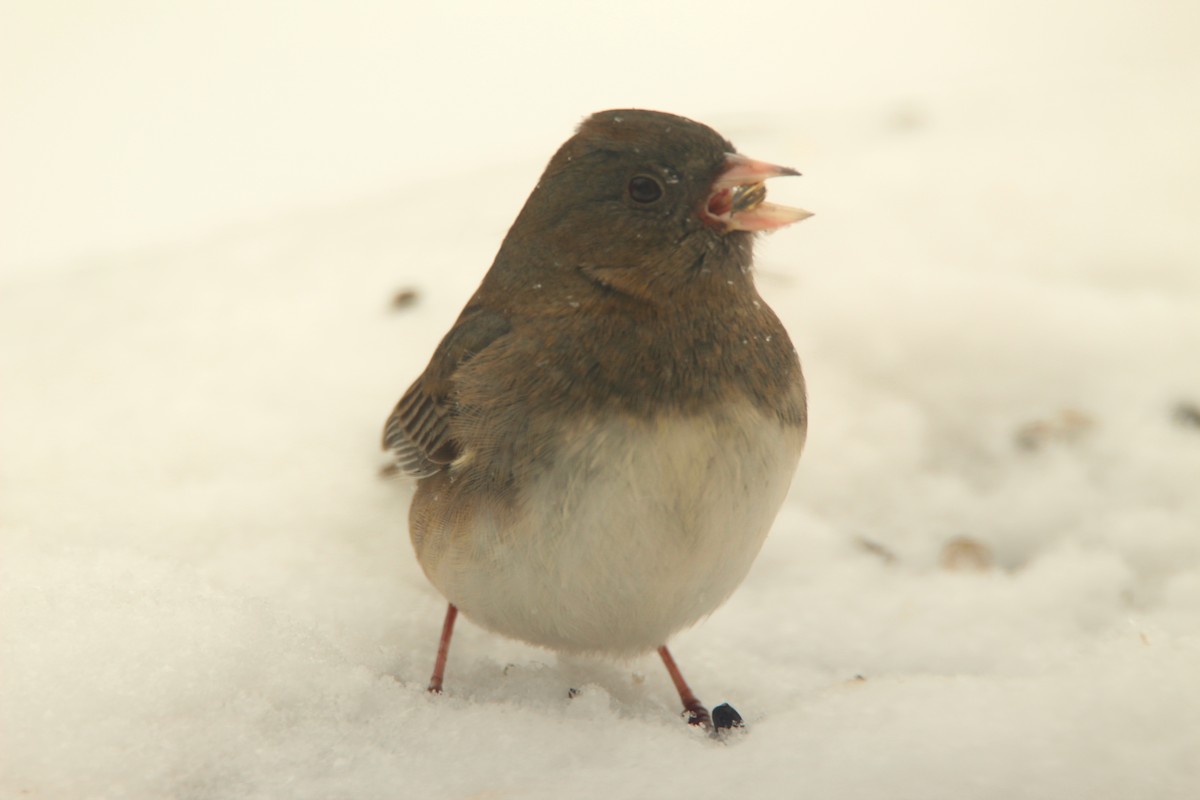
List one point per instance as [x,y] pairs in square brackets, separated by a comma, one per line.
[748,197]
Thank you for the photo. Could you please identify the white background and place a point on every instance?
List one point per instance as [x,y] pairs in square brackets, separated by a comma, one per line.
[207,592]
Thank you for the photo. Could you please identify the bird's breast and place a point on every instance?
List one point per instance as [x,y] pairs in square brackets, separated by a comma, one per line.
[632,528]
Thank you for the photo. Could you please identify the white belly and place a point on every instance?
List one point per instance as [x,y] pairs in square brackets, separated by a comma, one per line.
[640,530]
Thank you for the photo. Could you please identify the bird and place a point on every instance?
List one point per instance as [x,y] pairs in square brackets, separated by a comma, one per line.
[604,437]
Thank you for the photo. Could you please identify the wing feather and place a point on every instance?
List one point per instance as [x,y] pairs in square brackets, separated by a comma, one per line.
[419,432]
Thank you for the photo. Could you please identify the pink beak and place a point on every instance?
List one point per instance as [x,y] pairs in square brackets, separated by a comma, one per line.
[736,200]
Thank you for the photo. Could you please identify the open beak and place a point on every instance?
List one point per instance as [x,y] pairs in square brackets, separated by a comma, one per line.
[737,200]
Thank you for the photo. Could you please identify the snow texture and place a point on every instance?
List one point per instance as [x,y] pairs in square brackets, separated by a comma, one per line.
[985,582]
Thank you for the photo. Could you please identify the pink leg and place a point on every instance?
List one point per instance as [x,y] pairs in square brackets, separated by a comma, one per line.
[439,666]
[697,713]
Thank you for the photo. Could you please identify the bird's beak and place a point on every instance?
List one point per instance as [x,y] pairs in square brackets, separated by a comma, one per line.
[736,201]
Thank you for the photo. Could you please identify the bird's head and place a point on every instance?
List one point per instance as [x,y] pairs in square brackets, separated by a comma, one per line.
[641,202]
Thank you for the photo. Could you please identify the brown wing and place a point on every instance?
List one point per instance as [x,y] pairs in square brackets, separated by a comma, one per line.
[417,435]
[419,431]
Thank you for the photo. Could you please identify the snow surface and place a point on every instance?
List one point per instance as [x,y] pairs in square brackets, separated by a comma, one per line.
[984,584]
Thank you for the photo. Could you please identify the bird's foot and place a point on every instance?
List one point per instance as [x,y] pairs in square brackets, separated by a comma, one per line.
[696,714]
[723,719]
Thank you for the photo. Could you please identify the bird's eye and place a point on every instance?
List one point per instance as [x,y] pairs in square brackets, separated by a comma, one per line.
[644,189]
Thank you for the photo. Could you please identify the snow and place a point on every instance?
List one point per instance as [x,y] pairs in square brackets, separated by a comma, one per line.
[984,582]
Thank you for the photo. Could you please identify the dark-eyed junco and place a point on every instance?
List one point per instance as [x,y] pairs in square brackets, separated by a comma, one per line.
[606,434]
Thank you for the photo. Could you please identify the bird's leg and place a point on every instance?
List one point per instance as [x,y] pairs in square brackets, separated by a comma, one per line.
[439,666]
[697,714]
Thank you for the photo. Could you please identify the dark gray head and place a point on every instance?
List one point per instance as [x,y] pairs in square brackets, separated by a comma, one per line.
[635,198]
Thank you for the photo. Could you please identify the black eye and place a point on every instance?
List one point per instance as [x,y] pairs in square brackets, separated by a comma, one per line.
[644,189]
